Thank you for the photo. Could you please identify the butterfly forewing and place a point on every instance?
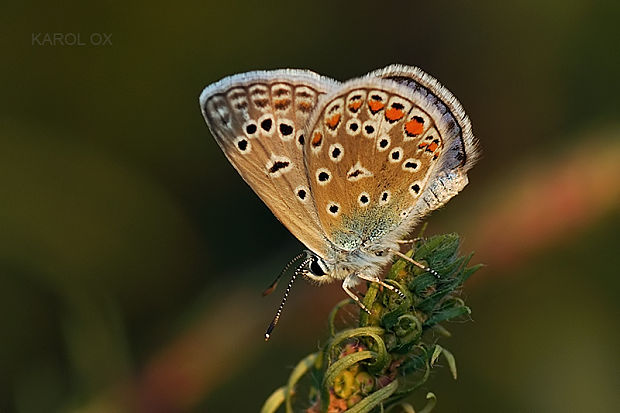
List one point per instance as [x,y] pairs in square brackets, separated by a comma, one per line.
[376,146]
[257,118]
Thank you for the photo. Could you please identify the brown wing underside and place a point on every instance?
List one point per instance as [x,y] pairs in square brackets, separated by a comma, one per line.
[369,159]
[258,122]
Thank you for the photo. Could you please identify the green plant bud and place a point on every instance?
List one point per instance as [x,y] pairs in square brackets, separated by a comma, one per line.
[365,382]
[344,385]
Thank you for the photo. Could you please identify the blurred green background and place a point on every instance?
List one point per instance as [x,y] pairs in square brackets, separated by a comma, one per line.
[132,256]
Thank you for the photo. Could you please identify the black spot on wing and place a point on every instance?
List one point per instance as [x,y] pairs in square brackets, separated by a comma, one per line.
[286,129]
[277,166]
[266,125]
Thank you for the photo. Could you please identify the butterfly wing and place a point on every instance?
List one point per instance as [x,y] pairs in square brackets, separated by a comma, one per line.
[463,151]
[257,119]
[377,155]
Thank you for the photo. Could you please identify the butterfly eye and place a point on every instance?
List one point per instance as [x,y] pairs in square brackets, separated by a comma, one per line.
[316,268]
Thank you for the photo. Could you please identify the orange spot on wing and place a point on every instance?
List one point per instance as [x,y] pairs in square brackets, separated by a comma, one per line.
[413,127]
[305,106]
[432,147]
[422,145]
[333,121]
[281,104]
[375,105]
[355,105]
[317,138]
[394,114]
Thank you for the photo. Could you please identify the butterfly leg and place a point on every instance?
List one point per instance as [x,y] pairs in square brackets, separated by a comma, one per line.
[408,241]
[417,264]
[382,283]
[348,283]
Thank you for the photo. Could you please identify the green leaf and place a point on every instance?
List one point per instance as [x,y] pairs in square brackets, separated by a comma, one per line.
[447,314]
[436,354]
[432,401]
[469,271]
[369,299]
[299,371]
[440,247]
[405,408]
[274,401]
[421,283]
[451,362]
[368,403]
[331,319]
[447,355]
[374,333]
[397,307]
[416,360]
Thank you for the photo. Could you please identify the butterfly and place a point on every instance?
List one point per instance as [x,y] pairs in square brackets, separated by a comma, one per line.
[348,167]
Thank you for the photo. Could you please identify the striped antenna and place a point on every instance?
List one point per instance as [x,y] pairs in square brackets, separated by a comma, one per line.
[275,320]
[274,284]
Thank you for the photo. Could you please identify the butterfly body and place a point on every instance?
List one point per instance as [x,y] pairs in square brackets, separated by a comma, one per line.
[349,168]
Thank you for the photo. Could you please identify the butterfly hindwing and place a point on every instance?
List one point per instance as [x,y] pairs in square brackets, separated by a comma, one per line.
[461,151]
[257,118]
[377,147]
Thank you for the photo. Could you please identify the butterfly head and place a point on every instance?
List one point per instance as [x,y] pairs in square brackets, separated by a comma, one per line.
[368,258]
[315,269]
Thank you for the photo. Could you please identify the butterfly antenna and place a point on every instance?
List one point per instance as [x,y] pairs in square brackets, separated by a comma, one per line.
[275,282]
[275,320]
